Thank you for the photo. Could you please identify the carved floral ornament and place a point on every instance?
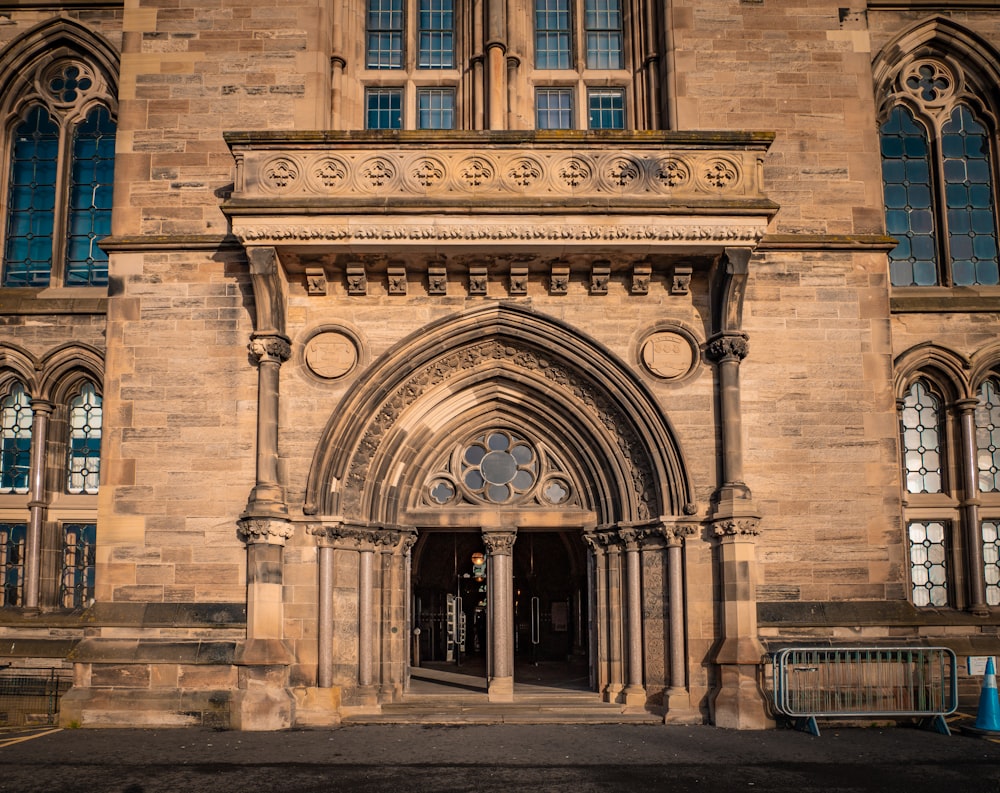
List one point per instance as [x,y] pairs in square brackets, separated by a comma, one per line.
[636,537]
[270,348]
[729,347]
[602,409]
[540,172]
[506,232]
[264,530]
[360,537]
[736,527]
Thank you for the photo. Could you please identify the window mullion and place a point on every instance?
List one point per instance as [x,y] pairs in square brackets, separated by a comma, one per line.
[969,501]
[60,215]
[941,206]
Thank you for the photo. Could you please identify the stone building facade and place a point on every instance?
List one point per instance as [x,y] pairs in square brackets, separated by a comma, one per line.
[662,334]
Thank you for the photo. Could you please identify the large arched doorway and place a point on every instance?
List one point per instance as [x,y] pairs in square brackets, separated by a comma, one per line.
[508,434]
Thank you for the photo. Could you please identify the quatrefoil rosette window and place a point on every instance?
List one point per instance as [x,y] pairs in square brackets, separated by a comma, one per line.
[500,467]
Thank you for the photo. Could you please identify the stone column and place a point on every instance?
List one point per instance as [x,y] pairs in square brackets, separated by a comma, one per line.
[737,701]
[634,694]
[615,627]
[269,351]
[366,621]
[677,698]
[37,503]
[324,628]
[263,701]
[496,67]
[970,507]
[500,580]
[599,618]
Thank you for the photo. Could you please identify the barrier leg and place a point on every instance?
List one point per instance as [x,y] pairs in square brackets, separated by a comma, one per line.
[807,724]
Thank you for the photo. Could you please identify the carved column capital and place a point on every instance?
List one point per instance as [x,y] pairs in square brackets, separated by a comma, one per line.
[733,528]
[499,543]
[267,531]
[728,347]
[269,347]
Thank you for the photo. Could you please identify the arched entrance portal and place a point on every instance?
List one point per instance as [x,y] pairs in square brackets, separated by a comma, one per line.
[505,428]
[551,610]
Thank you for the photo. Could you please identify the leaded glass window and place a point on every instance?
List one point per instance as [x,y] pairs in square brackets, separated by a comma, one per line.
[906,174]
[15,440]
[436,108]
[77,581]
[384,108]
[553,108]
[920,428]
[31,200]
[968,185]
[92,184]
[13,537]
[991,561]
[436,35]
[939,179]
[85,418]
[606,108]
[499,466]
[553,35]
[988,437]
[928,563]
[603,26]
[385,35]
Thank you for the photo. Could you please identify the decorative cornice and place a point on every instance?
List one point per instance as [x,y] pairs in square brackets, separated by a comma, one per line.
[512,231]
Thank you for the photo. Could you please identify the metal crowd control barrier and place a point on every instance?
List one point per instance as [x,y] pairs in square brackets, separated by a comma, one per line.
[865,682]
[31,696]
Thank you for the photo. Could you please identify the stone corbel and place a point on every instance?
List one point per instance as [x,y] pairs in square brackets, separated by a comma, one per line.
[270,289]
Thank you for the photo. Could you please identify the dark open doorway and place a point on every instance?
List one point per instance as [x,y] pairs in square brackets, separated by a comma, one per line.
[449,609]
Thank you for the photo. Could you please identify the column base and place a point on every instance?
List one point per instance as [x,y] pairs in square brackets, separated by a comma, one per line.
[501,689]
[317,707]
[677,702]
[633,697]
[263,703]
[611,693]
[738,703]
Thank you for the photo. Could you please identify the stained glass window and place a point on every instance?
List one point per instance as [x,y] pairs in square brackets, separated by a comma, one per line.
[920,427]
[15,440]
[991,561]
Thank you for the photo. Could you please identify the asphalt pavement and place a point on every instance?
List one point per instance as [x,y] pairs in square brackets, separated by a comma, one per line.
[535,758]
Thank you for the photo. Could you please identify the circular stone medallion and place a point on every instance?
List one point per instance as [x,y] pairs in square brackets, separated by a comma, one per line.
[331,355]
[668,355]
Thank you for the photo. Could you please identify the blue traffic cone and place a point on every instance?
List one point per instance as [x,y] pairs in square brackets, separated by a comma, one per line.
[988,717]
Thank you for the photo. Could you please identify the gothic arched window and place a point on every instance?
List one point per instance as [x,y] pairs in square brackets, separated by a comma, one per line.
[61,156]
[939,179]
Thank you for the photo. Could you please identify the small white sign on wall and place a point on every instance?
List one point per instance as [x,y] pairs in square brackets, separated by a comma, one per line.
[976,664]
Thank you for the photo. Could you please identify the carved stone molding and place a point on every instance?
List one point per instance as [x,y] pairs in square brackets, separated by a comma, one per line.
[583,392]
[647,172]
[357,537]
[494,231]
[264,530]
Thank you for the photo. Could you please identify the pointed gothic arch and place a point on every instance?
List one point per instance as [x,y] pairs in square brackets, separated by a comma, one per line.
[503,366]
